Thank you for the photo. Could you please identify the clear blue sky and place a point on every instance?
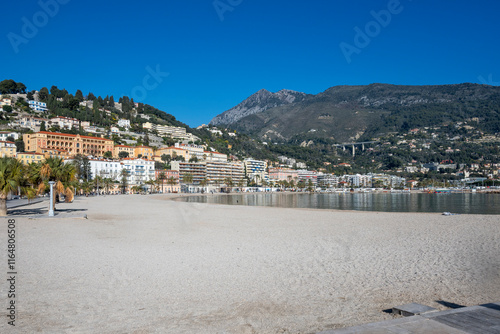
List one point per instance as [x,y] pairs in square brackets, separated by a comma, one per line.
[213,64]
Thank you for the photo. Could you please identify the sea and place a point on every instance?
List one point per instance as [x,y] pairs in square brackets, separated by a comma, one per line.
[453,203]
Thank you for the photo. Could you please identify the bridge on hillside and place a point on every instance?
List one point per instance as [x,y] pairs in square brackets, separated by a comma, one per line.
[353,145]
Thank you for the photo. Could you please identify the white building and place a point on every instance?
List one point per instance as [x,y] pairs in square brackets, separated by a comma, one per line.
[306,175]
[5,134]
[124,123]
[106,169]
[256,170]
[138,170]
[214,156]
[64,122]
[38,106]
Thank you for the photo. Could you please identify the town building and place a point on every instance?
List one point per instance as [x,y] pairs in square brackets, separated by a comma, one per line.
[308,175]
[144,152]
[72,144]
[7,149]
[256,170]
[29,122]
[139,171]
[218,173]
[6,134]
[123,148]
[283,174]
[124,123]
[38,106]
[64,122]
[328,180]
[106,169]
[197,170]
[30,157]
[169,175]
[214,156]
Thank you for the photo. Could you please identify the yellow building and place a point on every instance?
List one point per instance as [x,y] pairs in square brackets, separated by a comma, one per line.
[7,149]
[144,152]
[173,152]
[124,148]
[29,157]
[72,144]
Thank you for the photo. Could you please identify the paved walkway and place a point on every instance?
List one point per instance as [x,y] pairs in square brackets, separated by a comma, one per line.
[482,319]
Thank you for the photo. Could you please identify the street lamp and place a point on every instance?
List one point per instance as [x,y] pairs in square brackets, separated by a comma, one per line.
[51,201]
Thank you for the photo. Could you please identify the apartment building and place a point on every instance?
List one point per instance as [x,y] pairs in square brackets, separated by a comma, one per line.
[32,123]
[168,174]
[38,106]
[173,152]
[328,180]
[30,157]
[64,122]
[138,170]
[214,156]
[123,148]
[8,149]
[198,170]
[144,152]
[72,144]
[194,150]
[256,170]
[218,172]
[283,174]
[306,175]
[124,123]
[6,134]
[106,169]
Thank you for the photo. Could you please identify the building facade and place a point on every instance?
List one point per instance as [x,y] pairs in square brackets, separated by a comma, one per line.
[8,149]
[72,144]
[38,106]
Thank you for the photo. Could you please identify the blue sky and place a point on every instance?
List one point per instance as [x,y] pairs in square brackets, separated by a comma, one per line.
[217,53]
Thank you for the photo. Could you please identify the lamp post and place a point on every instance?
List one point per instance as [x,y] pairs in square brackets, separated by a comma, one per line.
[51,208]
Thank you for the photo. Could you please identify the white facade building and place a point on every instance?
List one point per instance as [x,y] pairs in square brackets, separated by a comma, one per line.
[124,123]
[139,170]
[106,169]
[256,170]
[38,106]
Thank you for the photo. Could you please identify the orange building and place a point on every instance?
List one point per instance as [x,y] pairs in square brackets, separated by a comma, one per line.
[29,157]
[72,144]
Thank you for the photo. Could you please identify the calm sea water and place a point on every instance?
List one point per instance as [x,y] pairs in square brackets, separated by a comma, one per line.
[387,202]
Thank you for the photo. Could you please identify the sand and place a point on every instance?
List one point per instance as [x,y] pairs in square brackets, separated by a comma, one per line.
[146,264]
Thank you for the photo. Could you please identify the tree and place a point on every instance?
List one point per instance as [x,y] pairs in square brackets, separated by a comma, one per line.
[124,181]
[108,155]
[123,154]
[9,86]
[7,108]
[91,97]
[19,145]
[43,94]
[162,177]
[193,159]
[30,96]
[11,172]
[171,181]
[64,175]
[79,95]
[43,126]
[187,178]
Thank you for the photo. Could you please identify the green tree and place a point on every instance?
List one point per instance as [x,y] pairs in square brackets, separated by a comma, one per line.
[64,175]
[79,95]
[108,155]
[19,145]
[43,126]
[124,181]
[11,173]
[123,154]
[187,178]
[7,108]
[43,94]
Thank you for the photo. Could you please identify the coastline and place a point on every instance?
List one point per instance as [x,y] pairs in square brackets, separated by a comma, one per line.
[149,264]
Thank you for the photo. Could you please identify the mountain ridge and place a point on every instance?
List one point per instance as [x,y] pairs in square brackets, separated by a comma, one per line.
[344,113]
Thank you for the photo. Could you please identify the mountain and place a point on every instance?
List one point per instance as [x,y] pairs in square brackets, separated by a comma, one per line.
[348,113]
[257,103]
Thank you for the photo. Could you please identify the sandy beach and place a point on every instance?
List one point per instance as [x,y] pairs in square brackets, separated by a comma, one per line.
[147,264]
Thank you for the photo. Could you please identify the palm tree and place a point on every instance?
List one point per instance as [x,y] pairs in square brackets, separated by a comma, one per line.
[162,177]
[10,178]
[107,183]
[171,181]
[64,175]
[187,178]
